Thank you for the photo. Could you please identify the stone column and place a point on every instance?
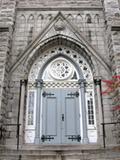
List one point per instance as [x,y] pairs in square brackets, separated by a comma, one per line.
[100,108]
[39,85]
[23,85]
[83,108]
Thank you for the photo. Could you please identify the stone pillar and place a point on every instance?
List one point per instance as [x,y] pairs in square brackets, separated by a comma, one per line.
[39,85]
[100,108]
[23,85]
[83,108]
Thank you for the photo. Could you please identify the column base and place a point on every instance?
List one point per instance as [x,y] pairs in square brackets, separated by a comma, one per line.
[37,140]
[85,140]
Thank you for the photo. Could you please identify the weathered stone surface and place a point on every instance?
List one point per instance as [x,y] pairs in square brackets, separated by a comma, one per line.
[62,152]
[21,24]
[62,3]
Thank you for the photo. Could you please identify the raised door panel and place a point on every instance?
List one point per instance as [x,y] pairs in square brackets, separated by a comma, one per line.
[70,116]
[50,117]
[71,124]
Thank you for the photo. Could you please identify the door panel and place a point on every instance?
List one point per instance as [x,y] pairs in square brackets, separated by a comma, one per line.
[70,116]
[50,118]
[71,126]
[60,116]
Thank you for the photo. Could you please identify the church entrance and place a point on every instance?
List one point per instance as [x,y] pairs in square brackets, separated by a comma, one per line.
[60,116]
[60,104]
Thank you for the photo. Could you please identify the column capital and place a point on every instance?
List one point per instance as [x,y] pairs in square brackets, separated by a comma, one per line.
[82,82]
[39,83]
[97,82]
[23,81]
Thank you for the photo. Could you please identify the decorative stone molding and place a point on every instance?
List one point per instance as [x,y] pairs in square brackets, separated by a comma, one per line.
[47,37]
[39,83]
[42,60]
[59,25]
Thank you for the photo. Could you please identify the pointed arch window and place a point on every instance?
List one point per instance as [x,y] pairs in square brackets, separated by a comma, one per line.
[22,25]
[49,17]
[70,17]
[88,18]
[40,22]
[79,21]
[97,18]
[30,28]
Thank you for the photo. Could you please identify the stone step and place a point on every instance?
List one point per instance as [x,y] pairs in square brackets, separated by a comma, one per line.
[51,152]
[60,155]
[63,147]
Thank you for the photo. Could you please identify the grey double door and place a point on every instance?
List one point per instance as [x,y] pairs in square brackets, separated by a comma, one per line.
[60,116]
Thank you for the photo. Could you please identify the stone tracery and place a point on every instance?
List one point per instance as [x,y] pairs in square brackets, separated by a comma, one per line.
[54,51]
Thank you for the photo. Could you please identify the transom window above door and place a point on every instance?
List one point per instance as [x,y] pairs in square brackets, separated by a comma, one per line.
[60,69]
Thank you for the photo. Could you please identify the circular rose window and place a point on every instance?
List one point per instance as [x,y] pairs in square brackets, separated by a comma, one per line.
[61,69]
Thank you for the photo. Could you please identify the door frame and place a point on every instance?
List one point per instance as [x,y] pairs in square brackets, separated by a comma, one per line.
[81,82]
[61,96]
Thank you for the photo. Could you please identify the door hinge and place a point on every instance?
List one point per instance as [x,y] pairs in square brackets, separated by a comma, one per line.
[47,94]
[75,137]
[73,94]
[62,117]
[46,137]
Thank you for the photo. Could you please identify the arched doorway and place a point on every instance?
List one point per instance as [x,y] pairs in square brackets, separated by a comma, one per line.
[60,107]
[60,103]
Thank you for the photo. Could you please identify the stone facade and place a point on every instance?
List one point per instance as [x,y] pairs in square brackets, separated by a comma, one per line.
[28,28]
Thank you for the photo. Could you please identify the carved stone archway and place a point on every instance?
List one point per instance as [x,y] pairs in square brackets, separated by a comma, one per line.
[85,74]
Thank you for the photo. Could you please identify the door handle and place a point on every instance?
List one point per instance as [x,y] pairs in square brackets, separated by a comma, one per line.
[62,117]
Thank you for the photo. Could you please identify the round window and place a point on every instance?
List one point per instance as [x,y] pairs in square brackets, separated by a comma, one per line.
[61,69]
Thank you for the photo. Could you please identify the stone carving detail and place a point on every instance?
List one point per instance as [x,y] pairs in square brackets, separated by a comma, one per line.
[59,25]
[30,27]
[66,51]
[39,24]
[68,84]
[60,73]
[88,18]
[61,69]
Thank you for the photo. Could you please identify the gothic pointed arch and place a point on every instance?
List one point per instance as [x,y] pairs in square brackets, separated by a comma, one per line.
[44,39]
[60,72]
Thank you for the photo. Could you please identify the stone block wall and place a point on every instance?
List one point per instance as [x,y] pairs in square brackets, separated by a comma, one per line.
[112,15]
[7,15]
[4,51]
[29,24]
[27,20]
[116,71]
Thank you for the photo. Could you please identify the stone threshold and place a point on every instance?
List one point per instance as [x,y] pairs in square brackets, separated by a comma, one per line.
[62,147]
[54,146]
